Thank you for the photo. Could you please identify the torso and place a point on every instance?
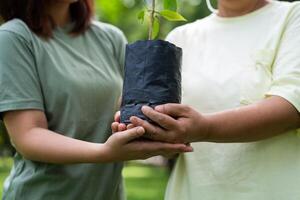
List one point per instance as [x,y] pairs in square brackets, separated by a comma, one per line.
[80,80]
[228,63]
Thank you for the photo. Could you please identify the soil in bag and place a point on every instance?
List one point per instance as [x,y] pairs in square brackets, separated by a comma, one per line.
[152,77]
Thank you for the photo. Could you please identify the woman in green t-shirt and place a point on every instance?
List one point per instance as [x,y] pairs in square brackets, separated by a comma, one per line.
[61,77]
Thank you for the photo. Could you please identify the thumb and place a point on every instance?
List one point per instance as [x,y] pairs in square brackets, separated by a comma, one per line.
[131,134]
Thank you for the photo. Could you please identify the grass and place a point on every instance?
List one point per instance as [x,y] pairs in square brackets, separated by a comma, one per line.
[142,182]
[145,182]
[5,165]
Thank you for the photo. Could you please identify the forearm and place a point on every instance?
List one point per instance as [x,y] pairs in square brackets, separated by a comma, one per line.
[42,145]
[265,119]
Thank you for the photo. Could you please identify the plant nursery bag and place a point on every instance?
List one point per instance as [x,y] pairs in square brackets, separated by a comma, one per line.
[152,77]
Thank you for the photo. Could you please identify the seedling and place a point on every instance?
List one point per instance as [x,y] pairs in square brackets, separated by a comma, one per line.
[152,67]
[151,13]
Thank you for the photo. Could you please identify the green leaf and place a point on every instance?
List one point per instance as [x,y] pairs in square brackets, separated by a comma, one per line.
[172,16]
[141,16]
[170,5]
[155,30]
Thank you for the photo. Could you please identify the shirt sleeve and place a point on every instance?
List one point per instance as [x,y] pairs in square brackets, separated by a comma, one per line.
[19,83]
[121,52]
[119,42]
[175,36]
[286,67]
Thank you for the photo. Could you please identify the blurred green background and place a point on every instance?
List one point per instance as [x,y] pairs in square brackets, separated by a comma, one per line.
[123,13]
[143,182]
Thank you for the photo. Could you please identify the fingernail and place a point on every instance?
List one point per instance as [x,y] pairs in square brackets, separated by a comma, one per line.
[140,130]
[189,149]
[122,125]
[145,108]
[159,108]
[115,123]
[132,119]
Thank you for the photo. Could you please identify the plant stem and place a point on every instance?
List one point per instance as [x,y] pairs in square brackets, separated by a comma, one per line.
[152,13]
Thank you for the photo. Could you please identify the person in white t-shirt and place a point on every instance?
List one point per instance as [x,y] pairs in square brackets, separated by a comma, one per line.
[241,96]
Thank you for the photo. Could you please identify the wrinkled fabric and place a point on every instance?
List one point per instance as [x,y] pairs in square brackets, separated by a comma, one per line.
[152,77]
[230,63]
[76,82]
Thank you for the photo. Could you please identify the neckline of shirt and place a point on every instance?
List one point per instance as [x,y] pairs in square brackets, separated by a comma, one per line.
[66,28]
[242,17]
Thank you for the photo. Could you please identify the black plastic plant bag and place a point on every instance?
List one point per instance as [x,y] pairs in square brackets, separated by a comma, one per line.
[152,77]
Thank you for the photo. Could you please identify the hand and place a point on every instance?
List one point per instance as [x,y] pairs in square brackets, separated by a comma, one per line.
[177,124]
[174,155]
[116,126]
[123,146]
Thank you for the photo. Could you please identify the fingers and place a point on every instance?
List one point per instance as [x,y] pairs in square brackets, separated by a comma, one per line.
[189,148]
[172,109]
[170,155]
[114,127]
[117,127]
[117,116]
[152,132]
[163,120]
[130,126]
[180,147]
[159,148]
[122,127]
[129,135]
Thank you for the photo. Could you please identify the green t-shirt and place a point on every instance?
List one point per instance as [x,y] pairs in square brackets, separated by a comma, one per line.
[77,82]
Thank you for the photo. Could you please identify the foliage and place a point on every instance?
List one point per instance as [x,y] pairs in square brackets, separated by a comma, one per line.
[145,182]
[5,147]
[5,166]
[169,12]
[122,13]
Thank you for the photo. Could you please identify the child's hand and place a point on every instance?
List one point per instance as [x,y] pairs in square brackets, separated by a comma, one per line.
[116,126]
[123,146]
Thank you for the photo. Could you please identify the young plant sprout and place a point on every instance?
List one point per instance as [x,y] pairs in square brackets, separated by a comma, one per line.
[152,67]
[169,12]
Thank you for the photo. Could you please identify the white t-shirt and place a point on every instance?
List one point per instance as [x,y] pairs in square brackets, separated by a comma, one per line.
[233,62]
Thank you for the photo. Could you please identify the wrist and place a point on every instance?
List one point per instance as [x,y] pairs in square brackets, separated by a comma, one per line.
[210,127]
[205,128]
[108,154]
[101,153]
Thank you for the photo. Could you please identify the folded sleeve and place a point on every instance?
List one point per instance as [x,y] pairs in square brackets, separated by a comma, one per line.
[286,67]
[19,83]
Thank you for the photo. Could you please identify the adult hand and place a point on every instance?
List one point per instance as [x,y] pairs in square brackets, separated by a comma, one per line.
[177,123]
[119,127]
[123,146]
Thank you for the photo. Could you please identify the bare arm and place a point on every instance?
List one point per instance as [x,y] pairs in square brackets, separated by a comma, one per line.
[29,132]
[262,120]
[179,123]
